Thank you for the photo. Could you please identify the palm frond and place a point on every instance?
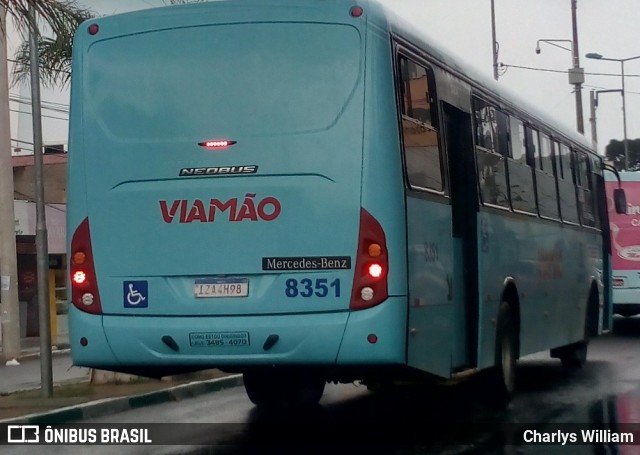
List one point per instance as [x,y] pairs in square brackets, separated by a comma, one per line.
[54,61]
[62,19]
[61,16]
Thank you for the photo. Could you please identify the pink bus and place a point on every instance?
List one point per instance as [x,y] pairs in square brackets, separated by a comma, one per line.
[625,244]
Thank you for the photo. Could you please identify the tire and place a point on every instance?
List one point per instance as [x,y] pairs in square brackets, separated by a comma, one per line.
[574,356]
[279,390]
[503,379]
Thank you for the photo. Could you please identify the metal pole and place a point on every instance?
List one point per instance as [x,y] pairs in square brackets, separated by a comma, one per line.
[10,310]
[624,122]
[494,43]
[46,373]
[576,64]
[594,130]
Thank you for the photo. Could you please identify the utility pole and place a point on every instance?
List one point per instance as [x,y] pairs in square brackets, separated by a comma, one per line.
[46,373]
[494,43]
[576,77]
[593,103]
[9,310]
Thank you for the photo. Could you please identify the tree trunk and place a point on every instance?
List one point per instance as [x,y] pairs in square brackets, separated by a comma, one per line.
[9,310]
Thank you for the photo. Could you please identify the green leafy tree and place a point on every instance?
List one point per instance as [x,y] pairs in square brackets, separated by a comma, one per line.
[615,153]
[62,18]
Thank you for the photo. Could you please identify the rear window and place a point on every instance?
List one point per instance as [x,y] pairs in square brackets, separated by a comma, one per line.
[258,78]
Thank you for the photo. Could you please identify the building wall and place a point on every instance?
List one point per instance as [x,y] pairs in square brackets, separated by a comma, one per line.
[55,183]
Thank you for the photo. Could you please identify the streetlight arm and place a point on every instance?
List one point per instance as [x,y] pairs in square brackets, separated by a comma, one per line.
[553,43]
[596,56]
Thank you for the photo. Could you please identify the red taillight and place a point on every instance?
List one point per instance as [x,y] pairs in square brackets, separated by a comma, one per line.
[618,282]
[356,11]
[375,270]
[216,144]
[372,264]
[93,29]
[79,277]
[84,287]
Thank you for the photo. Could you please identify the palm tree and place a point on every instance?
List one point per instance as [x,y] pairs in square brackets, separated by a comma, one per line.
[54,52]
[61,18]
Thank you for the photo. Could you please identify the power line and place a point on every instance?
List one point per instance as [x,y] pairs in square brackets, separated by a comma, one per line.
[548,70]
[42,115]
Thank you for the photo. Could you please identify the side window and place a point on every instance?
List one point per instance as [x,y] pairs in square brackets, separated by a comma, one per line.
[520,173]
[567,187]
[565,162]
[596,179]
[546,179]
[491,136]
[586,202]
[419,135]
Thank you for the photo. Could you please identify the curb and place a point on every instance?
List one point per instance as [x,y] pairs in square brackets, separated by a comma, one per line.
[109,406]
[34,353]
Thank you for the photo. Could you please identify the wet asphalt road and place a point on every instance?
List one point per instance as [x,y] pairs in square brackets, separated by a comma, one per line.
[415,420]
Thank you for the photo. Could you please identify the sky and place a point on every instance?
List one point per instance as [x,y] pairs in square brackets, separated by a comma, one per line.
[464,27]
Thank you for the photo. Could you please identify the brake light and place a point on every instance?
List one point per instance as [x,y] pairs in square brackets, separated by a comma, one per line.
[370,286]
[375,270]
[216,144]
[618,282]
[84,286]
[79,277]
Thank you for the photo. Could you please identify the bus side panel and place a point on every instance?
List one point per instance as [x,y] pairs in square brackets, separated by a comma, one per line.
[549,265]
[431,295]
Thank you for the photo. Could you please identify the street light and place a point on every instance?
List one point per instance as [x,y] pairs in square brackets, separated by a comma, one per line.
[593,106]
[596,56]
[576,74]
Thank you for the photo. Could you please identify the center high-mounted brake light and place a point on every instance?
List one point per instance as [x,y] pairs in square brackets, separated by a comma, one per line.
[216,144]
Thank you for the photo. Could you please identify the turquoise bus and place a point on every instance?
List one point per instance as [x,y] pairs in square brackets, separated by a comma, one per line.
[313,191]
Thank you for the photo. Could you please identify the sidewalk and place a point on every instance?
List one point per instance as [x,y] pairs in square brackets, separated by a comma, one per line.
[76,397]
[30,346]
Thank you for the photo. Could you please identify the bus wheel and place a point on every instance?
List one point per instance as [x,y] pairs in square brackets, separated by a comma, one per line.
[277,390]
[504,372]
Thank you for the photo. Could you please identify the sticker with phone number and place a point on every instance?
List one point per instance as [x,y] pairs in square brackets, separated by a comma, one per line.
[219,339]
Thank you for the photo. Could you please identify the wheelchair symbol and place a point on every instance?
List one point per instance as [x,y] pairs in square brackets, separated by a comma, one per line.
[134,297]
[135,294]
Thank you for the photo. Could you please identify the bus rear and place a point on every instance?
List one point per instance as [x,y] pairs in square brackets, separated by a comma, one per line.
[215,213]
[625,244]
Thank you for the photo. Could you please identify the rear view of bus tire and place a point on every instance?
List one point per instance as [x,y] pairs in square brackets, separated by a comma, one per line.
[503,375]
[574,356]
[271,389]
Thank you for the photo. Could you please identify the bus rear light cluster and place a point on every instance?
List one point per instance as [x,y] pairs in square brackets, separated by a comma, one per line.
[370,278]
[618,282]
[84,286]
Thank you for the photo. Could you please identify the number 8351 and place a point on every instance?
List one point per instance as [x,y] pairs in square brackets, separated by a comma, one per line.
[306,287]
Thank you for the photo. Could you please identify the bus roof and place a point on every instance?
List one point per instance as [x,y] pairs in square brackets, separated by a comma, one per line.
[479,81]
[386,17]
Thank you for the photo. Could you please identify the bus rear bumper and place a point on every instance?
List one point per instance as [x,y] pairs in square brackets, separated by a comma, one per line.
[627,301]
[373,336]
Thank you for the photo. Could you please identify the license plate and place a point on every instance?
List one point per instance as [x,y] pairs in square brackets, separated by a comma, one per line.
[221,287]
[219,339]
